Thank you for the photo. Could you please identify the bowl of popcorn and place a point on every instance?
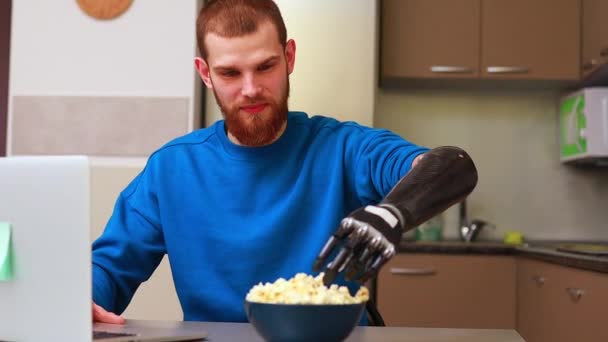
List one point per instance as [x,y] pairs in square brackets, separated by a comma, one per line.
[304,309]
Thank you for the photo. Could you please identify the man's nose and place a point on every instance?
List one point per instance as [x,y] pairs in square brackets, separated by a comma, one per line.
[251,87]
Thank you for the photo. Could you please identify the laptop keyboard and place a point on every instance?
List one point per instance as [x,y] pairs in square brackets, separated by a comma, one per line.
[97,335]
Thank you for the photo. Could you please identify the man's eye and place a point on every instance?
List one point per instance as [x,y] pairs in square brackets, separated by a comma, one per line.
[264,67]
[230,73]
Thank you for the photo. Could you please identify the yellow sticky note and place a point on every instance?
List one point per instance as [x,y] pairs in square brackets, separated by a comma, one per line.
[6,252]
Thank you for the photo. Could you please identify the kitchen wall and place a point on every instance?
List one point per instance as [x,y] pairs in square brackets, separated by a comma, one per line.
[72,73]
[512,136]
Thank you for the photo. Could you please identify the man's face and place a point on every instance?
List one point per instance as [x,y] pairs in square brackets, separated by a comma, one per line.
[249,78]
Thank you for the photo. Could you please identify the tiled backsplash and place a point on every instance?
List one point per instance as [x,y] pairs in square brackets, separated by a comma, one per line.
[97,126]
[512,136]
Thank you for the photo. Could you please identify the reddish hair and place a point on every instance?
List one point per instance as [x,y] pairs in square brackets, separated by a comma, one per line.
[235,18]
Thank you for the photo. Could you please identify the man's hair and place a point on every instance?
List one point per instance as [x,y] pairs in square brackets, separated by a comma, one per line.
[235,18]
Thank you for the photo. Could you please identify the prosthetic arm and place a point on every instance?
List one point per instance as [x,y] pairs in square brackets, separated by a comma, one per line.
[368,235]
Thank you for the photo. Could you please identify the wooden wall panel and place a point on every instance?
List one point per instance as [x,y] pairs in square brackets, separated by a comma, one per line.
[96,125]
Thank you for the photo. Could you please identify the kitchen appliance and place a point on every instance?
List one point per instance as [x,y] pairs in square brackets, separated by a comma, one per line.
[583,126]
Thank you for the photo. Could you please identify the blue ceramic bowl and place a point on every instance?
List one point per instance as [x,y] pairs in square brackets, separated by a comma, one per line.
[298,322]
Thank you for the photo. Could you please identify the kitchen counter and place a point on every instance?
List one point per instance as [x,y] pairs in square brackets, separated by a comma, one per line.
[549,254]
[541,251]
[455,247]
[245,332]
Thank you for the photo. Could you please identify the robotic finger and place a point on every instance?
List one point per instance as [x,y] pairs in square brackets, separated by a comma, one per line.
[333,268]
[378,262]
[336,239]
[363,260]
[357,234]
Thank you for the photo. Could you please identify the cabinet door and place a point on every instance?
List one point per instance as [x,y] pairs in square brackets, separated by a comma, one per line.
[580,301]
[430,38]
[534,308]
[560,304]
[448,291]
[595,35]
[530,39]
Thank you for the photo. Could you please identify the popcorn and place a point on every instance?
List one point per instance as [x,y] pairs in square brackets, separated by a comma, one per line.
[304,289]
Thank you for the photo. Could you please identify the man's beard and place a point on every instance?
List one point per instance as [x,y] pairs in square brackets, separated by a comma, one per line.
[256,129]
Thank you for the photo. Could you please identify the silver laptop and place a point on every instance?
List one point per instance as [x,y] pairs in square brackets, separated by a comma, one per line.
[47,296]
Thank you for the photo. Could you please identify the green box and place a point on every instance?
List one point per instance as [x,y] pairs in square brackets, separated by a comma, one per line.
[583,125]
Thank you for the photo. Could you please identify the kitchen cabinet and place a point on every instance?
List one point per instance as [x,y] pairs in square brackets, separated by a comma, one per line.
[594,36]
[530,39]
[558,303]
[422,38]
[448,291]
[488,39]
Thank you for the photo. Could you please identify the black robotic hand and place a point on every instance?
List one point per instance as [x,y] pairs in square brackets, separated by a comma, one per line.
[368,236]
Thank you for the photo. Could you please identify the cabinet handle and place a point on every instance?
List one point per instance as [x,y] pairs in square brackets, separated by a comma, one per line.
[590,64]
[446,69]
[604,52]
[412,271]
[539,280]
[507,70]
[575,293]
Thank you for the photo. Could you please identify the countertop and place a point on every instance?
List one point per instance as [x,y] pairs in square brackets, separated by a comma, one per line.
[456,247]
[545,251]
[245,332]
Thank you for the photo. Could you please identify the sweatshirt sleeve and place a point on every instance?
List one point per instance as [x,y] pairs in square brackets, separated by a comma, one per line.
[381,158]
[130,248]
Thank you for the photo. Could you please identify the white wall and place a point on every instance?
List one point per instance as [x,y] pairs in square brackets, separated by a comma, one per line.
[335,70]
[56,49]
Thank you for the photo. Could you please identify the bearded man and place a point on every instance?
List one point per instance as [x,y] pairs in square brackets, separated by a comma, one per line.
[263,194]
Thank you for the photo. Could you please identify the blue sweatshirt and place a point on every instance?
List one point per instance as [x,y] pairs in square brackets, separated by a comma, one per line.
[230,216]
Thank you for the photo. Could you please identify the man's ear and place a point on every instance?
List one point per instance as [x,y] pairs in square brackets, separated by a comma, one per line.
[203,70]
[290,55]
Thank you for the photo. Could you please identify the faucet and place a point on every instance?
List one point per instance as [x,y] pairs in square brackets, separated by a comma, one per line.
[468,231]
